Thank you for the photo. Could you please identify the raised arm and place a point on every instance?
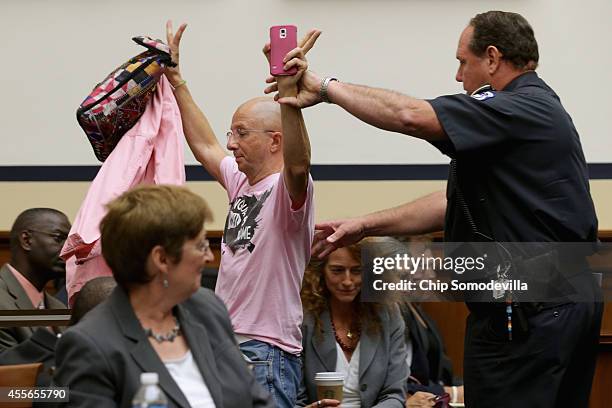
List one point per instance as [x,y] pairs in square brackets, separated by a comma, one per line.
[296,149]
[200,136]
[424,215]
[388,110]
[296,145]
[382,108]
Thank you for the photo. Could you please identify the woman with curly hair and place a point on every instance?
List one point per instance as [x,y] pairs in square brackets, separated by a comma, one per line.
[364,341]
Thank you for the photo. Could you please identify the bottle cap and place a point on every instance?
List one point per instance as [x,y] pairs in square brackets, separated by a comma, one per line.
[149,378]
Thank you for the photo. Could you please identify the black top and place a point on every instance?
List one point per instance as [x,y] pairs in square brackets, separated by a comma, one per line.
[430,369]
[519,165]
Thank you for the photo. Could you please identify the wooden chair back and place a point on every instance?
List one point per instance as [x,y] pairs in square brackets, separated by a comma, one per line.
[19,375]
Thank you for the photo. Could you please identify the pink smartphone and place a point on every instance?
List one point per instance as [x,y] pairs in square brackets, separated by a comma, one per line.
[283,38]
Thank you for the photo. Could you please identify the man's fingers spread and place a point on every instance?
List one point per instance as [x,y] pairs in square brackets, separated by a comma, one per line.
[169,32]
[179,33]
[304,41]
[305,38]
[311,41]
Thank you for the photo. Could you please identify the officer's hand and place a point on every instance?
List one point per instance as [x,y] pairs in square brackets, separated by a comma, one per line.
[331,235]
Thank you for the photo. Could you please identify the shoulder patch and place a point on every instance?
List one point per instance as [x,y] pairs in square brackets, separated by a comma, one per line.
[483,96]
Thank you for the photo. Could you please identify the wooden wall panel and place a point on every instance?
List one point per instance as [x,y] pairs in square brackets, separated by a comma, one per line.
[601,393]
[5,253]
[450,318]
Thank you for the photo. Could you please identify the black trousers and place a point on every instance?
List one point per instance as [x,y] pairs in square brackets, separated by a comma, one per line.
[551,367]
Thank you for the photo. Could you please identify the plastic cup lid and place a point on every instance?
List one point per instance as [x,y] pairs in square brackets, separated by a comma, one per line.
[328,376]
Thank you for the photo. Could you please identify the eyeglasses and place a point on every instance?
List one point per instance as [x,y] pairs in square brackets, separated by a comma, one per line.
[241,133]
[204,246]
[58,237]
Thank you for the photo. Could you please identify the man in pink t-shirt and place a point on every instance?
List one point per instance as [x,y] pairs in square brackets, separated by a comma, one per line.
[270,224]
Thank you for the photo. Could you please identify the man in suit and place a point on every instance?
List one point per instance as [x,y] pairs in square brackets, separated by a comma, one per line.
[40,347]
[36,239]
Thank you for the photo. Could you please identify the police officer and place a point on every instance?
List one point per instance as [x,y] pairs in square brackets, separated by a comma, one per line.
[519,170]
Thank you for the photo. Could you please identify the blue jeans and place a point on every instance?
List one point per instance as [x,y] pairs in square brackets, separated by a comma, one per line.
[276,370]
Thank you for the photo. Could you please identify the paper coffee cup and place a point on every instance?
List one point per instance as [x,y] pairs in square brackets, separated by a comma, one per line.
[329,385]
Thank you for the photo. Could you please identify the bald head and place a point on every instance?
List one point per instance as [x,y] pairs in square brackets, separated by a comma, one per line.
[91,294]
[264,110]
[257,138]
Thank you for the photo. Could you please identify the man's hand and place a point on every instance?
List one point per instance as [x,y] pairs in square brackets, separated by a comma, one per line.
[420,400]
[331,235]
[174,40]
[198,132]
[308,83]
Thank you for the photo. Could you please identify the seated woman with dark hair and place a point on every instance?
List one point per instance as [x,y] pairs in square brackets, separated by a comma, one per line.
[364,341]
[157,319]
[431,371]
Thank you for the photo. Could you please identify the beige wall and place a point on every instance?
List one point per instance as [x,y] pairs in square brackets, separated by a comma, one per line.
[63,47]
[332,198]
[408,46]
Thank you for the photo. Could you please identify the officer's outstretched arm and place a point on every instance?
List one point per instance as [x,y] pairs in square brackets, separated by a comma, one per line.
[388,110]
[421,216]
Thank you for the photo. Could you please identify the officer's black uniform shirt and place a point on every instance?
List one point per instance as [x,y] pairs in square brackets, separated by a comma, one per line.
[519,165]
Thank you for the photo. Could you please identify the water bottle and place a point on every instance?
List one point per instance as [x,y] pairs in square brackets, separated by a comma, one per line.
[149,394]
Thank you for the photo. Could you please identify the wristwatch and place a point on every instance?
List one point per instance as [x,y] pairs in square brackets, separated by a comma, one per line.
[323,91]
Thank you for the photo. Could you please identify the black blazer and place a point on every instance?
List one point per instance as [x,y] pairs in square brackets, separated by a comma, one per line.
[101,357]
[39,348]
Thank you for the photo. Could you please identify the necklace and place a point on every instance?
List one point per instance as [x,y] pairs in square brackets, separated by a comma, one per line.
[352,336]
[169,336]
